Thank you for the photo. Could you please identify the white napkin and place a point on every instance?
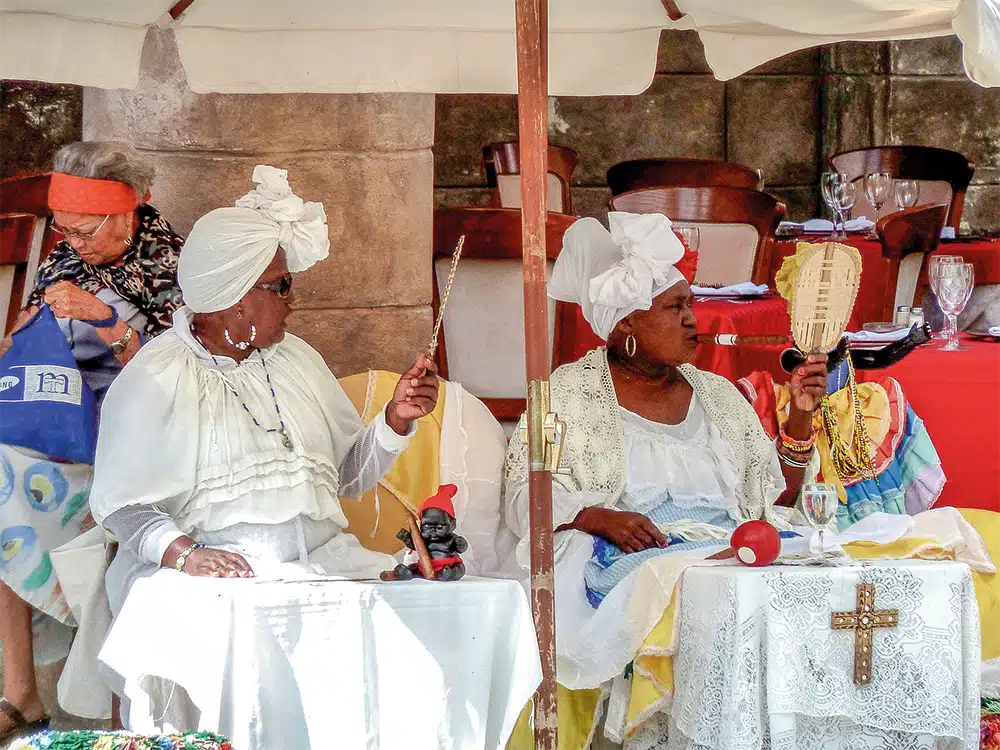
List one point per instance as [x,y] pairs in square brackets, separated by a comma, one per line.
[744,289]
[859,224]
[871,337]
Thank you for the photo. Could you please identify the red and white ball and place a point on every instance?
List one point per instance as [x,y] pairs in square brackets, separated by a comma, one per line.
[756,543]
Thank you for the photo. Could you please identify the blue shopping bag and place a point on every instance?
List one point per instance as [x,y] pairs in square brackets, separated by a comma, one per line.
[45,404]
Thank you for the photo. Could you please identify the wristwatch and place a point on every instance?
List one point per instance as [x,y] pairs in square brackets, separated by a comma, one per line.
[117,347]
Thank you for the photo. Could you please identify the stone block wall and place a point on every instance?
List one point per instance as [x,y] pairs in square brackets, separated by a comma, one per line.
[785,117]
[35,120]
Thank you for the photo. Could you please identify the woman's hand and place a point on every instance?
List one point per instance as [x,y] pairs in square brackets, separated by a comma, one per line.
[808,383]
[217,563]
[415,396]
[67,300]
[630,532]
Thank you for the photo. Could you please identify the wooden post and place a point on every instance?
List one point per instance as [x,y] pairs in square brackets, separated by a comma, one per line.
[532,89]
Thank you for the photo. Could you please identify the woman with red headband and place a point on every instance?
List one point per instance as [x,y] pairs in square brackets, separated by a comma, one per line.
[111,283]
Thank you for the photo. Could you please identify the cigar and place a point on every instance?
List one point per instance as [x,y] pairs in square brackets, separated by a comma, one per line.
[735,339]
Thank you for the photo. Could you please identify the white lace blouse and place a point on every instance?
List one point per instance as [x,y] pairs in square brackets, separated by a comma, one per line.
[692,461]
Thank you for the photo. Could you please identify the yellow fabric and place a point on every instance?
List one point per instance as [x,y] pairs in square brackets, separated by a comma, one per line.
[875,407]
[653,678]
[415,475]
[987,523]
[576,710]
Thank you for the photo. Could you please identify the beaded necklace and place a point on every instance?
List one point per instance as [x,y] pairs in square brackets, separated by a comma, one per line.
[286,439]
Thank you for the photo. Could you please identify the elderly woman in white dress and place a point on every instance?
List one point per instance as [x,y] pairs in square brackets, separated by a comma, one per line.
[660,458]
[226,442]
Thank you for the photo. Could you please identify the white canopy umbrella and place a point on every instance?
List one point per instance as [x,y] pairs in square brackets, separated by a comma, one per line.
[596,47]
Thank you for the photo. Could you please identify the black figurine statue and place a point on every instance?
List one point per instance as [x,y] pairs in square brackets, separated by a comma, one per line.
[437,529]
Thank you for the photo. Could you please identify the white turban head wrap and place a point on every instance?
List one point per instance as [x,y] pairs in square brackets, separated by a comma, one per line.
[612,274]
[229,248]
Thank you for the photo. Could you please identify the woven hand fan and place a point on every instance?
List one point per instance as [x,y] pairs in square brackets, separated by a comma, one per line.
[823,294]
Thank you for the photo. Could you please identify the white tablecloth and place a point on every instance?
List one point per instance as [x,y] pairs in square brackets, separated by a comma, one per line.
[322,663]
[758,665]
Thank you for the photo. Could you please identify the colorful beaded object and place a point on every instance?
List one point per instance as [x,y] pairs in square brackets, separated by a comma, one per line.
[989,725]
[91,740]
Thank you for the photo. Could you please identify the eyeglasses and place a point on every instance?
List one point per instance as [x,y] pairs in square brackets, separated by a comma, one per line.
[282,287]
[74,234]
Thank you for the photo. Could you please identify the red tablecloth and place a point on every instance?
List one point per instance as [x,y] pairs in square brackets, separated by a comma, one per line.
[983,254]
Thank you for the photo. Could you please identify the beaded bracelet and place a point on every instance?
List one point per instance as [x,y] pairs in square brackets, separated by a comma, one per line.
[183,556]
[796,446]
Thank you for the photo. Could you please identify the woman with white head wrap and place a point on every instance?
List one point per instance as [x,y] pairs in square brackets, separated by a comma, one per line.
[660,459]
[240,440]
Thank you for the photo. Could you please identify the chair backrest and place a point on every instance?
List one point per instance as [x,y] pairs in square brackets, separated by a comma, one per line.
[943,176]
[736,227]
[482,336]
[25,239]
[642,173]
[907,238]
[502,162]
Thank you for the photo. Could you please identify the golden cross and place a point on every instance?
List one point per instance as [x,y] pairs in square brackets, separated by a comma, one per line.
[863,621]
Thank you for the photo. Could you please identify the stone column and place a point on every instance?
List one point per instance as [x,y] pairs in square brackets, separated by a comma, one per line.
[367,157]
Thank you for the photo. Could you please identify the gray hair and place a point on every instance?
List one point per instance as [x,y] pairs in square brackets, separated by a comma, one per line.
[106,160]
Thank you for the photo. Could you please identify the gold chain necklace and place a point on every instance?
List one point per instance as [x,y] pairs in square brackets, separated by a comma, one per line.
[854,461]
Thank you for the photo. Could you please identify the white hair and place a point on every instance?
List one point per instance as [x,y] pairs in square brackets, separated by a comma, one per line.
[106,160]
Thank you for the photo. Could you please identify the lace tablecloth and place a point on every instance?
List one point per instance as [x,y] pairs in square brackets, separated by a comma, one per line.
[302,664]
[758,665]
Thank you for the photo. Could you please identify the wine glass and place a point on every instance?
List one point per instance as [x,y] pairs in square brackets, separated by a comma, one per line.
[954,287]
[844,194]
[878,186]
[829,184]
[933,261]
[691,236]
[906,193]
[819,506]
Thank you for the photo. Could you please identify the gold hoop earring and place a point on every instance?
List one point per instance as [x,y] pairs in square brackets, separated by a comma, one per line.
[127,242]
[630,346]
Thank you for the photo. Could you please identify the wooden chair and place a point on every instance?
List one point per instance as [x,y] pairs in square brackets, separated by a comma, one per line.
[907,237]
[944,175]
[482,337]
[737,227]
[25,240]
[642,173]
[502,162]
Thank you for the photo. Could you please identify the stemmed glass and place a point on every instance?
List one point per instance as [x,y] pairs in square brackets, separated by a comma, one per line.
[819,506]
[878,186]
[954,287]
[832,187]
[844,194]
[691,237]
[933,261]
[906,193]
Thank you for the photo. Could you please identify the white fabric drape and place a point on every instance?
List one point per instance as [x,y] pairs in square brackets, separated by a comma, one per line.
[453,46]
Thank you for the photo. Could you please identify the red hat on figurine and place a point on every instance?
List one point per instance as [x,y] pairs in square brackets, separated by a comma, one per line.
[442,500]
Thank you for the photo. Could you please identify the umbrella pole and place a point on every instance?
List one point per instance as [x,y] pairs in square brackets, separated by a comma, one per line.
[532,89]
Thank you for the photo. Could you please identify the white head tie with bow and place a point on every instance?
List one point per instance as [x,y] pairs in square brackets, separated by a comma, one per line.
[229,248]
[612,274]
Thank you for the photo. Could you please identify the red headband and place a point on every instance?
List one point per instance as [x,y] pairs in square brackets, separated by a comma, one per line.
[84,195]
